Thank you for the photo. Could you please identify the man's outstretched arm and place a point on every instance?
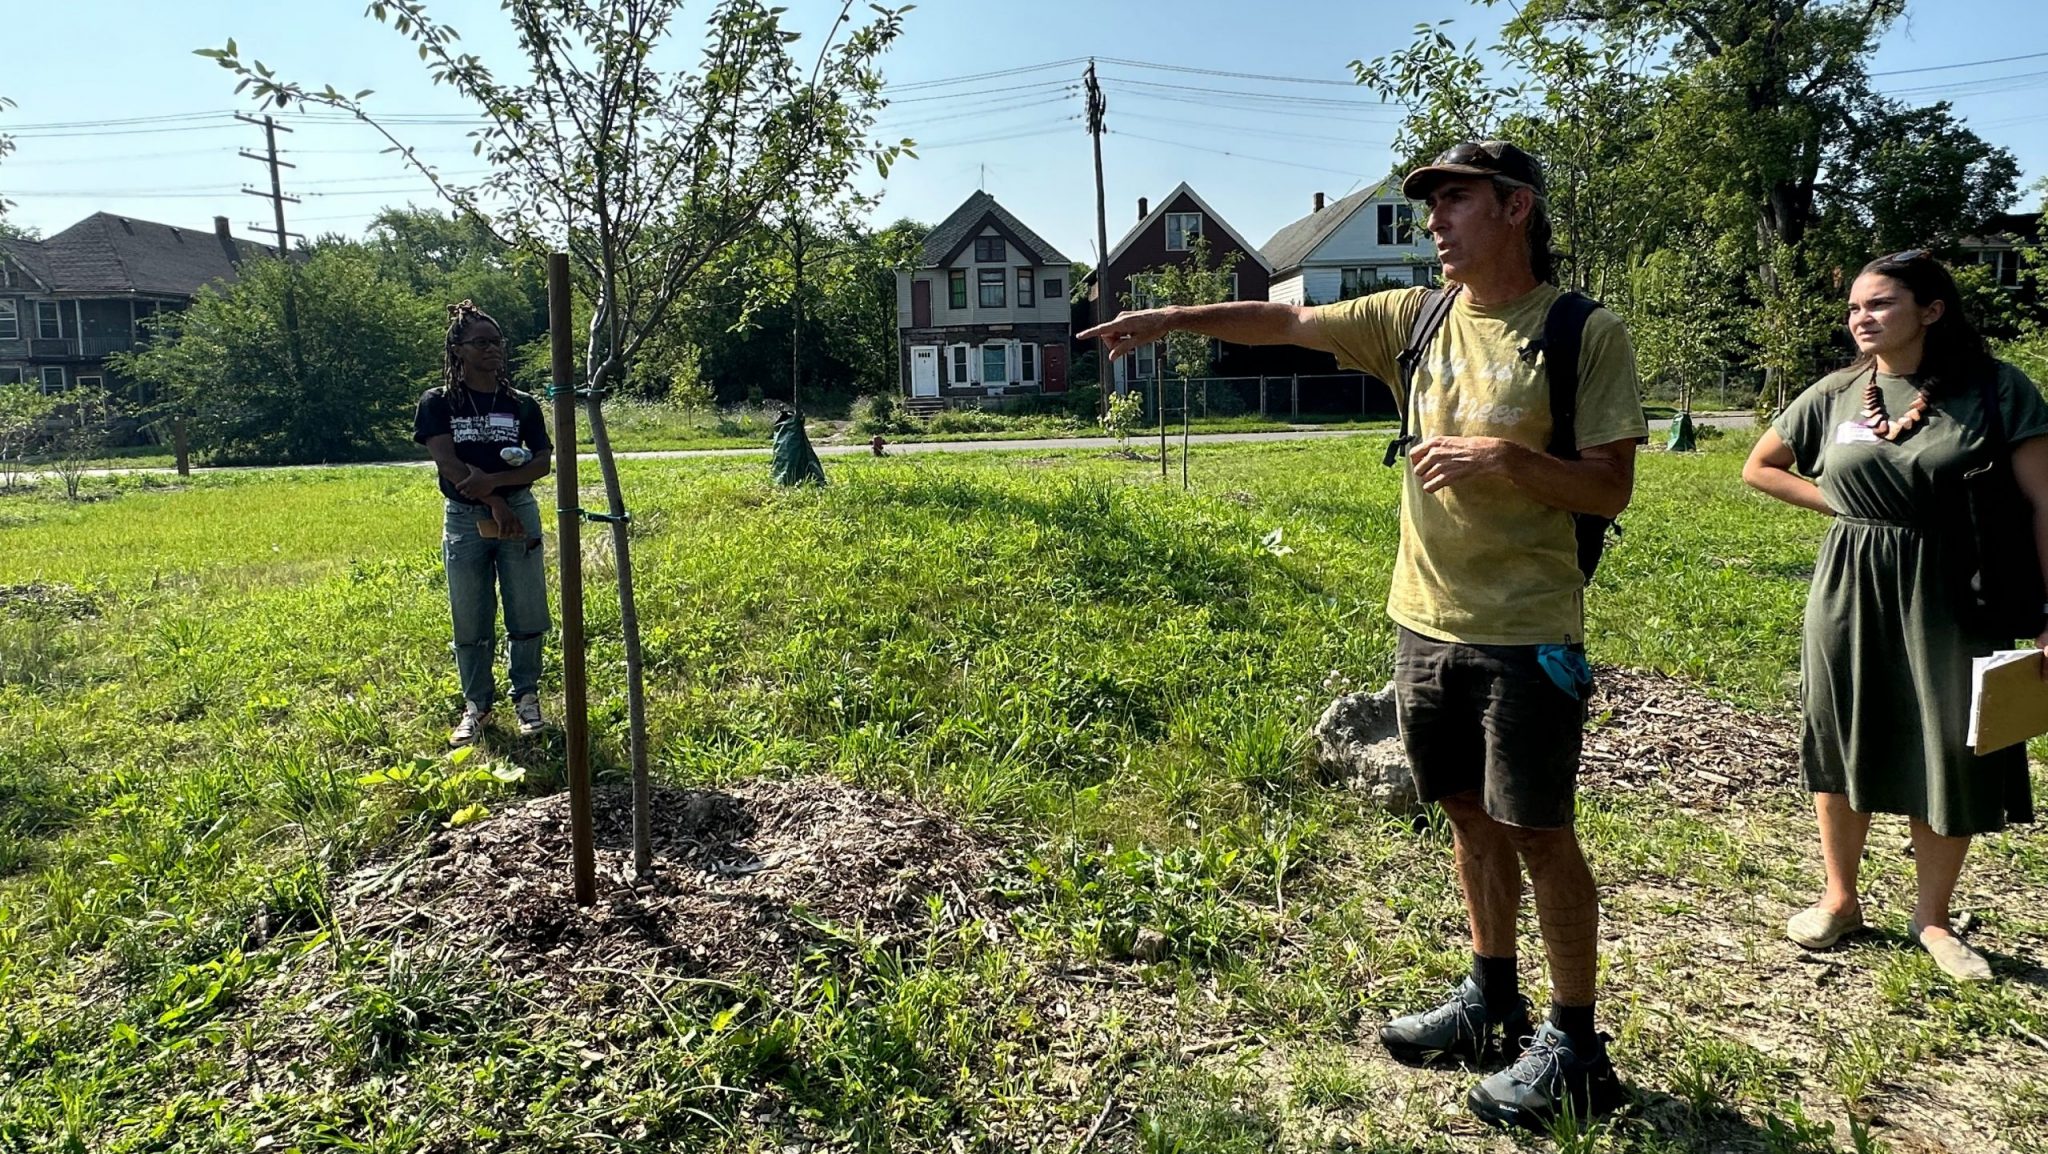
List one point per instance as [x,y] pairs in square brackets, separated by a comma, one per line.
[1236,322]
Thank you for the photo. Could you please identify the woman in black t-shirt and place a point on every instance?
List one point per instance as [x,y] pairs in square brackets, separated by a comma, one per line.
[489,443]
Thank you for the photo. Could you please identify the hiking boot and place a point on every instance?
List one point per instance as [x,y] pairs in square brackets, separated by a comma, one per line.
[527,710]
[471,725]
[1462,1027]
[1549,1080]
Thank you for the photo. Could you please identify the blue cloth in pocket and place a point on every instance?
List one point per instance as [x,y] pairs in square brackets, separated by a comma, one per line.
[1567,667]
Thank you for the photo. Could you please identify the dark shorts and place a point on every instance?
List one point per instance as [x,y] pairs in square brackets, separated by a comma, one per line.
[1487,719]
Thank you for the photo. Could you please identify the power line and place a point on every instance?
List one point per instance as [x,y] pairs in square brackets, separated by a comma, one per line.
[1964,64]
[1240,155]
[983,77]
[1231,75]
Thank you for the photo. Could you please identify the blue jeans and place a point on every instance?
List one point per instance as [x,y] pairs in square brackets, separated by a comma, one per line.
[480,570]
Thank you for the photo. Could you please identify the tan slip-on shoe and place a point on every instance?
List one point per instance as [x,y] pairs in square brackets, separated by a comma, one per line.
[1952,955]
[1817,928]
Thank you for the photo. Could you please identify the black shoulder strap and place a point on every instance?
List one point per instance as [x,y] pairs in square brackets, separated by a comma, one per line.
[1436,305]
[1564,331]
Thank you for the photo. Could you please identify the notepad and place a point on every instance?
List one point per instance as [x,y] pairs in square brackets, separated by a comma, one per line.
[2008,699]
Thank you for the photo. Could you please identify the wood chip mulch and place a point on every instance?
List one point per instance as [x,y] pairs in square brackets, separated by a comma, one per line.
[1648,732]
[747,881]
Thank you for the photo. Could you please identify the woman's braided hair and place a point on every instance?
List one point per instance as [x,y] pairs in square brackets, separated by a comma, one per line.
[461,318]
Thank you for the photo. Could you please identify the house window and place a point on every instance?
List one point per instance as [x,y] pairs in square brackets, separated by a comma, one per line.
[992,290]
[53,378]
[1145,363]
[995,364]
[1233,287]
[10,322]
[956,288]
[1052,288]
[1356,282]
[1182,230]
[959,358]
[1024,286]
[6,275]
[90,382]
[49,322]
[1027,363]
[989,250]
[1397,224]
[10,374]
[1421,274]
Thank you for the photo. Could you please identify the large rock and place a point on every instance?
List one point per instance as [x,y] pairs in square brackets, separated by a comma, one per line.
[1358,742]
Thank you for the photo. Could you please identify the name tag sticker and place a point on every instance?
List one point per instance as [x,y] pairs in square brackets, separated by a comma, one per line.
[1855,433]
[504,422]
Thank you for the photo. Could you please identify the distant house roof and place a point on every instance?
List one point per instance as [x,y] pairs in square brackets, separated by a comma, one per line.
[1293,244]
[956,230]
[2005,230]
[1146,222]
[116,255]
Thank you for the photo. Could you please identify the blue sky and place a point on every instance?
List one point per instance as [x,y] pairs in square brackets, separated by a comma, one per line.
[1257,150]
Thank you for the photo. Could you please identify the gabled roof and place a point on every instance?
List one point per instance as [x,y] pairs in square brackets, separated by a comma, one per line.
[1293,244]
[966,223]
[1153,216]
[112,254]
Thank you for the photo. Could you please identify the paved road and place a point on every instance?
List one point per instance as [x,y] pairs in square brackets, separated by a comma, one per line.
[1298,433]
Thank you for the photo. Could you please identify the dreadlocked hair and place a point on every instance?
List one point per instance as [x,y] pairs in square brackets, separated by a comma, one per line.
[462,317]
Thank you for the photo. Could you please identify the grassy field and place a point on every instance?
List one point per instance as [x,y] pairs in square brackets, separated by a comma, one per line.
[231,848]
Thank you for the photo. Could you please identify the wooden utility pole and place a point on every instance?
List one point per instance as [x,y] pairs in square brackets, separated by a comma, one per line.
[1098,105]
[569,549]
[277,200]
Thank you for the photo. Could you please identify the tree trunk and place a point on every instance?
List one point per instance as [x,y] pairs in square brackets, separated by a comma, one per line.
[629,614]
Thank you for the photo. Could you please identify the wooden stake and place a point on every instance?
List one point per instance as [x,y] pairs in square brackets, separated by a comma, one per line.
[569,550]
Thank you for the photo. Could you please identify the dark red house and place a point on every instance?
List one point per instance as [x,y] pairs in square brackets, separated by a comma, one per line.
[1164,235]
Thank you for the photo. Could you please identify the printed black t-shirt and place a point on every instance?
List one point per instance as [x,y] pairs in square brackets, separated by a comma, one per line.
[483,425]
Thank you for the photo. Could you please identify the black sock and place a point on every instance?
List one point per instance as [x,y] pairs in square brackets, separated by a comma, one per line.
[1495,978]
[1577,1023]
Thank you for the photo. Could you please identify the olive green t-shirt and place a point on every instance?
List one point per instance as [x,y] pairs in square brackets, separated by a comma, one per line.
[1482,562]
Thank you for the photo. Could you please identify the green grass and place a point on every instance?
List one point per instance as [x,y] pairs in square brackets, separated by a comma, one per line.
[244,692]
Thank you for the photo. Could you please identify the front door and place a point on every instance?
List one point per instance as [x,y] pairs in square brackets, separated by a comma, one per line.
[1055,369]
[924,371]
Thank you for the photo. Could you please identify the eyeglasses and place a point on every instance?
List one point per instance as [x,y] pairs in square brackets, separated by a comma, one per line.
[1466,153]
[484,342]
[1908,256]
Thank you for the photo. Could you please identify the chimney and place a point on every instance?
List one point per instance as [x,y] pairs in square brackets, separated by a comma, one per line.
[226,240]
[1144,208]
[1319,202]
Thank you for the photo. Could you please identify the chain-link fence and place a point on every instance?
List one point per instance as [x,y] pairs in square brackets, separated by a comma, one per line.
[1296,398]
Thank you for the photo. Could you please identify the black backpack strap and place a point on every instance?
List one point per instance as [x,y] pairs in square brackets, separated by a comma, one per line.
[1436,305]
[1564,332]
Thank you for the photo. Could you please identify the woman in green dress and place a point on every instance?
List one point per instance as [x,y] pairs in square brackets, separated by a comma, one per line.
[1881,446]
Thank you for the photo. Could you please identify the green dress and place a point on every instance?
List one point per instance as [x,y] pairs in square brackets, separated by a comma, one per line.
[1885,676]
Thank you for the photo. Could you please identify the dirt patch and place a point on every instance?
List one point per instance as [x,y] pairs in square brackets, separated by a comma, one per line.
[1651,732]
[746,881]
[46,600]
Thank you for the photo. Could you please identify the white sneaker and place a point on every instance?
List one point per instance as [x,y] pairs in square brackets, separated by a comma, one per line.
[471,726]
[527,710]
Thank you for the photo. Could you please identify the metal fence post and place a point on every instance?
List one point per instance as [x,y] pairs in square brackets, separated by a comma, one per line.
[1294,401]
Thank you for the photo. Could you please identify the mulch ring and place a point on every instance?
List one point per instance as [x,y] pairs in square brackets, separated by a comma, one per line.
[1646,731]
[746,882]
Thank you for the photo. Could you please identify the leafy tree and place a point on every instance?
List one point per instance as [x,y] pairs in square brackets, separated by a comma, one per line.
[371,346]
[648,176]
[1193,280]
[448,258]
[23,409]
